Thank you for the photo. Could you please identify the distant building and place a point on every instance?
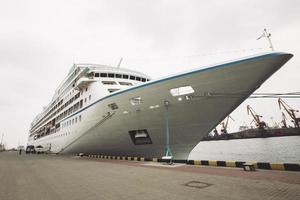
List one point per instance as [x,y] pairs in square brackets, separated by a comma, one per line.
[2,148]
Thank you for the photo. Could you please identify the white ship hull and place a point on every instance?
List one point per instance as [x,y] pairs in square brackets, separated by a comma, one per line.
[106,132]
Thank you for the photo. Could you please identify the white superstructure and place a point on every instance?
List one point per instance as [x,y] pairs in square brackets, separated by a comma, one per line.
[119,112]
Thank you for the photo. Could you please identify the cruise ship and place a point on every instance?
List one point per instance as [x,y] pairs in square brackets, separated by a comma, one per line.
[99,109]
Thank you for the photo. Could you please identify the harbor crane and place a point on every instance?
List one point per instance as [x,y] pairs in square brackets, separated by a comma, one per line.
[256,118]
[283,121]
[290,111]
[225,125]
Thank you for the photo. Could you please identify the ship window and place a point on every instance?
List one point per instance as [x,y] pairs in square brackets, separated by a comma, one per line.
[75,119]
[112,90]
[148,79]
[136,101]
[109,82]
[86,89]
[140,137]
[118,75]
[113,106]
[90,97]
[125,76]
[138,78]
[72,121]
[96,74]
[181,91]
[103,74]
[125,83]
[132,77]
[111,75]
[143,79]
[80,118]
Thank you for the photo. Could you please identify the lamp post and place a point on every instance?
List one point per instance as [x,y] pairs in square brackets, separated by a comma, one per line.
[168,155]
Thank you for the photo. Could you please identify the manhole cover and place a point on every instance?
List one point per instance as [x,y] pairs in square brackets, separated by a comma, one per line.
[197,184]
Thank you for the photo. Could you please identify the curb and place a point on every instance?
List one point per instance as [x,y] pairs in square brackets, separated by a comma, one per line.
[239,164]
[215,163]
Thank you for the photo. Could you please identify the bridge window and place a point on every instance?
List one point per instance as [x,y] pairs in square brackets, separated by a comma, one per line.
[103,74]
[132,77]
[111,75]
[97,74]
[125,76]
[118,75]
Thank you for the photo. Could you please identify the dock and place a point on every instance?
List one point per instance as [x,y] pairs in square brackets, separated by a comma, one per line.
[40,176]
[255,133]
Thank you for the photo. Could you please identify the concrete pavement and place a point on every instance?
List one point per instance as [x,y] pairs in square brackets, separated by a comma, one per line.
[65,177]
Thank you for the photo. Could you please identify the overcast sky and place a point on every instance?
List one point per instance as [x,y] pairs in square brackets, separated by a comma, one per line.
[40,40]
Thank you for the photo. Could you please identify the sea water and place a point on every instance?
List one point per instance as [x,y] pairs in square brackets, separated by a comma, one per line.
[274,149]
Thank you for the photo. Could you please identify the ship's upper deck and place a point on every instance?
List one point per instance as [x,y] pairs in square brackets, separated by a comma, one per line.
[85,71]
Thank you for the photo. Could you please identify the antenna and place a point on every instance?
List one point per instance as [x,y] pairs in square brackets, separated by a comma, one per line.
[268,36]
[119,64]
